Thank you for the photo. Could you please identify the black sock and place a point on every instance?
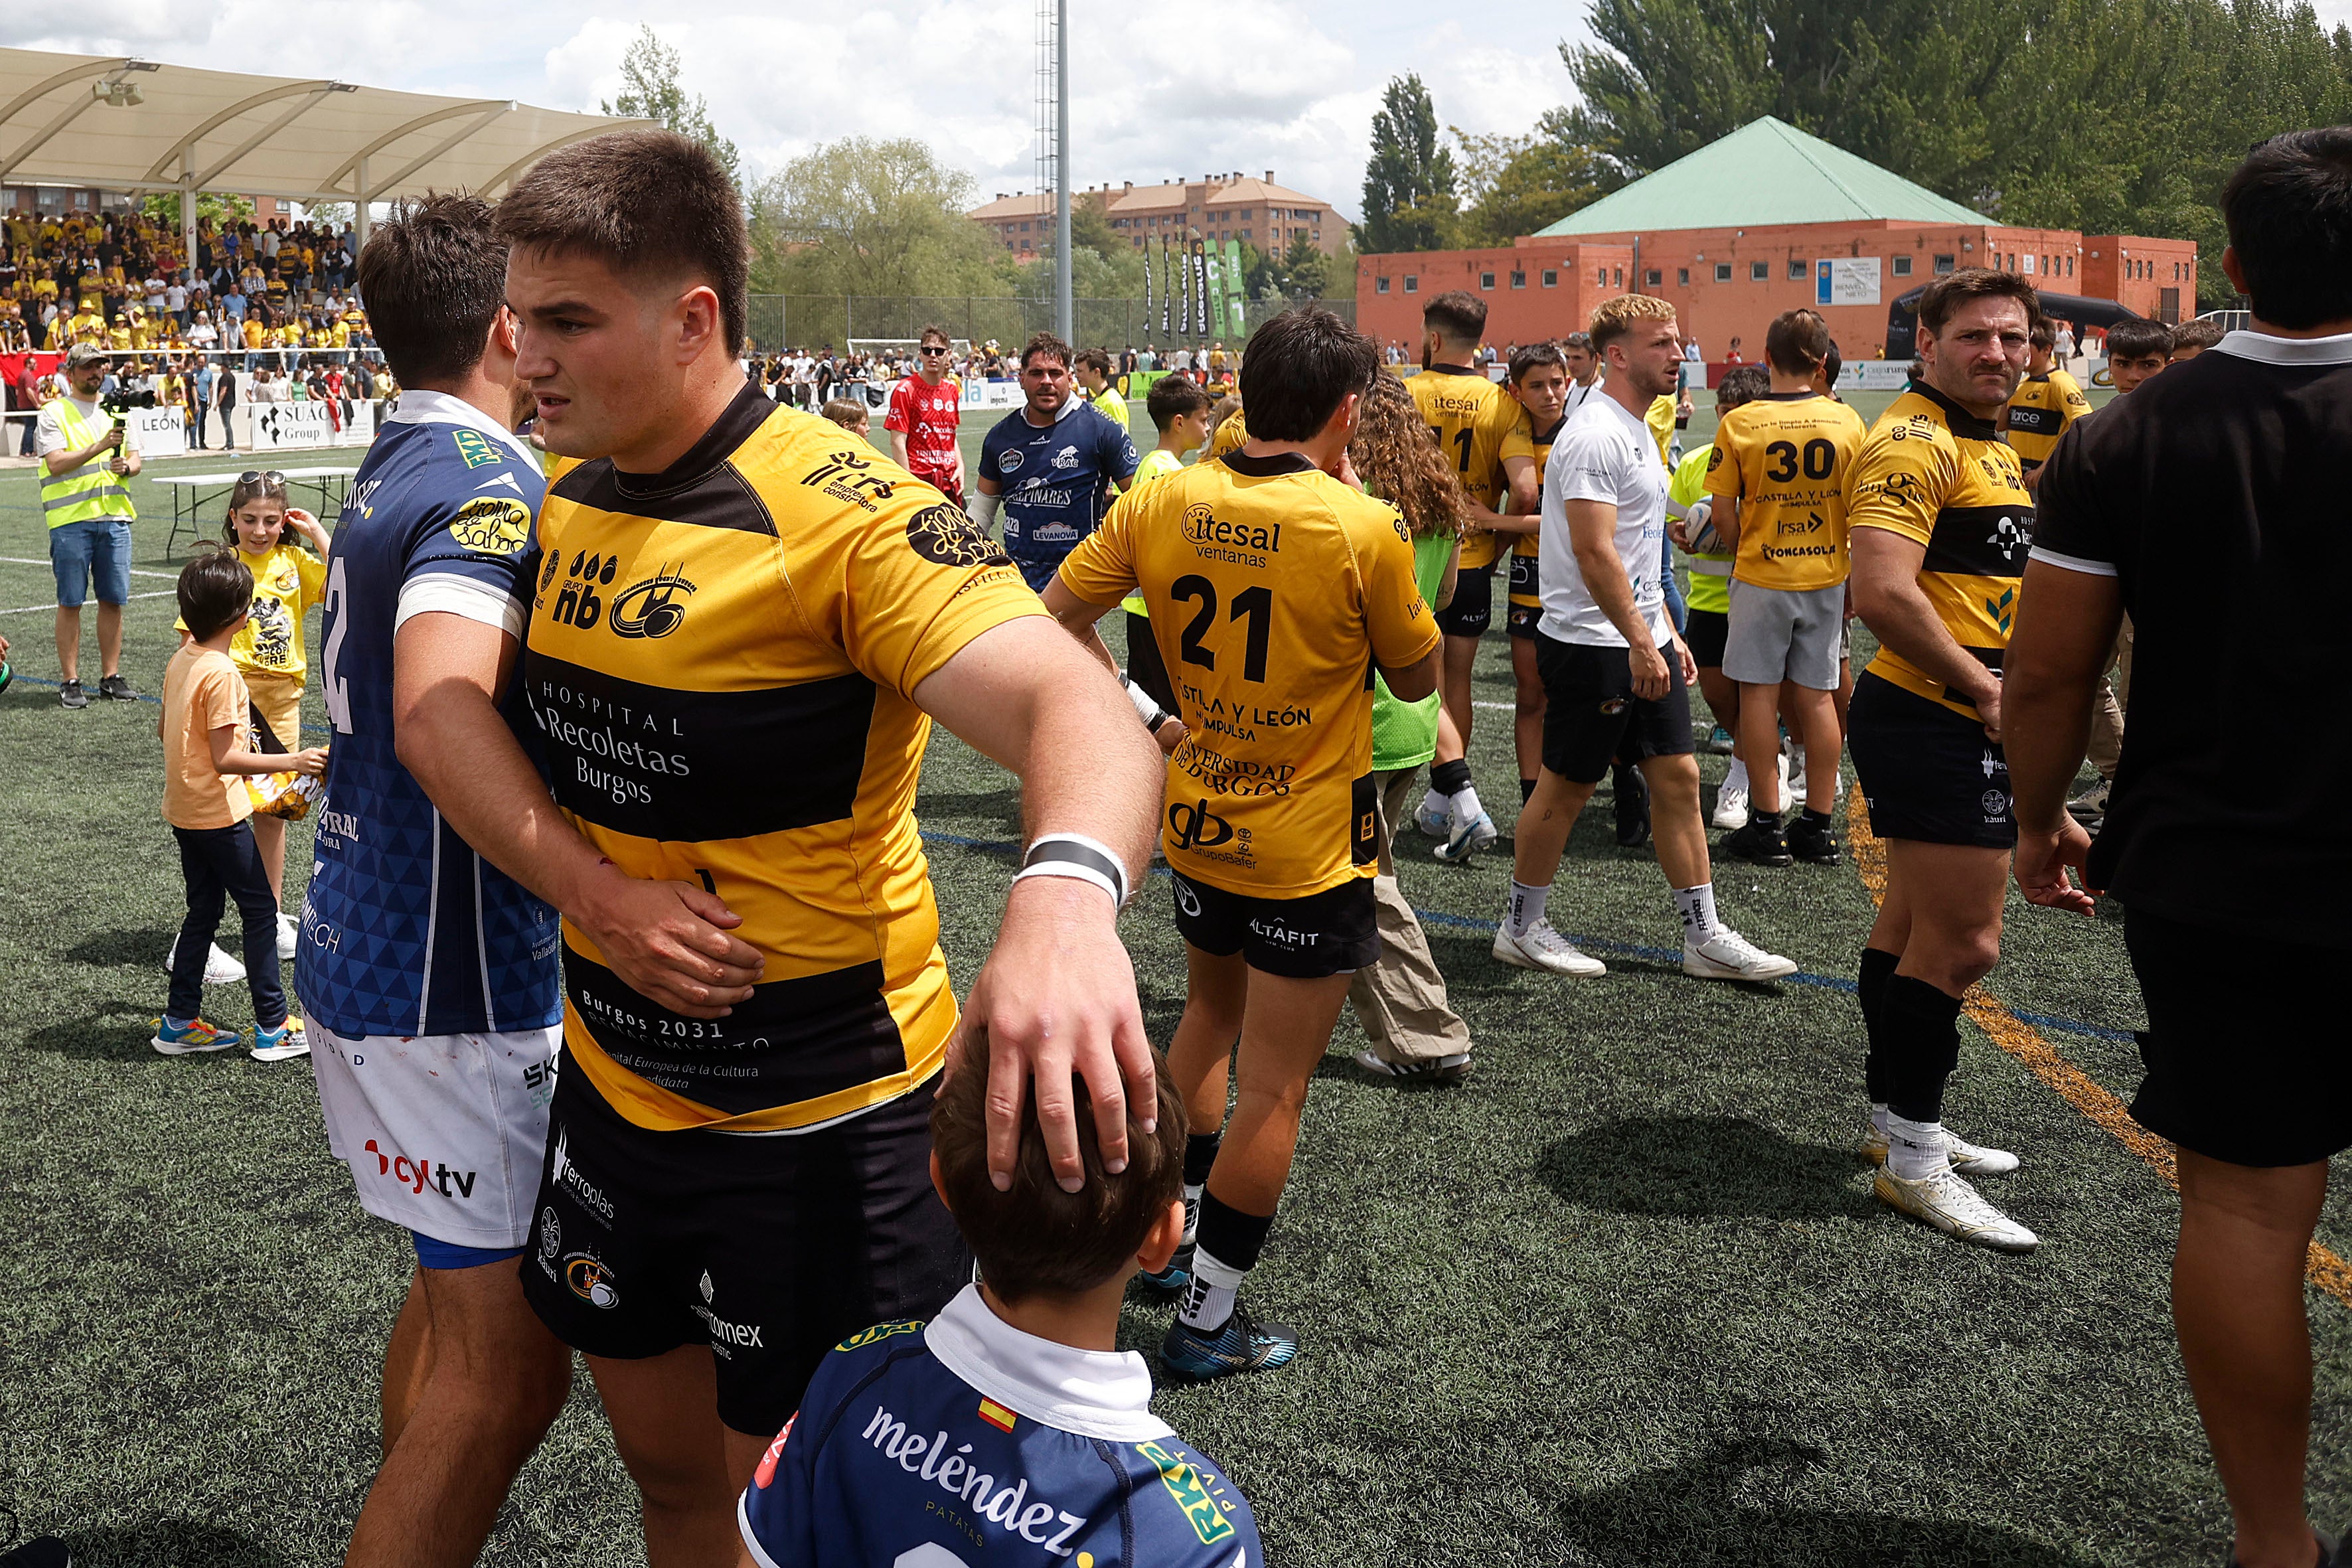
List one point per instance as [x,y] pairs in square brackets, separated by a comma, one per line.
[1450,778]
[1817,820]
[1199,1155]
[1526,790]
[1922,1029]
[1769,821]
[1230,1236]
[1870,985]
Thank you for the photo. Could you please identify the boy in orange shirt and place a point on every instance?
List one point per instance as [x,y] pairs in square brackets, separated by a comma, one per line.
[204,730]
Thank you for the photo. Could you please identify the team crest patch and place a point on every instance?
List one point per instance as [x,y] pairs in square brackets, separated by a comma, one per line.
[944,536]
[491,525]
[475,447]
[879,1331]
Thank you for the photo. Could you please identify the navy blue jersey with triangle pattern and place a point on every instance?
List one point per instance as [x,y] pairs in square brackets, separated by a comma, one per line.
[408,931]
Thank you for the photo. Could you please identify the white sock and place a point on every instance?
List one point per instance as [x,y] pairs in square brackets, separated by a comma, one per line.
[1697,906]
[1465,805]
[1738,777]
[1208,1300]
[1915,1149]
[1878,1115]
[1435,804]
[1193,1213]
[1527,908]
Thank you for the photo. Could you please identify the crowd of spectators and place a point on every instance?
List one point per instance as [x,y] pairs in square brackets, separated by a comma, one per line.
[808,379]
[273,305]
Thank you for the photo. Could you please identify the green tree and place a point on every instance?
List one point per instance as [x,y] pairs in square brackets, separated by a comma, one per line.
[1514,186]
[1410,199]
[221,207]
[651,89]
[2107,115]
[863,216]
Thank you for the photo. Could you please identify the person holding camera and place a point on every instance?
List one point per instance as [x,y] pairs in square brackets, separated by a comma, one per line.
[87,456]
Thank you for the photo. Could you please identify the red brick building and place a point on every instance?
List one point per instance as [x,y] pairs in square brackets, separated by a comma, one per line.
[1215,208]
[1766,219]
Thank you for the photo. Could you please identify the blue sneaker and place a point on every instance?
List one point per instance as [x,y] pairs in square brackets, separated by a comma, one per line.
[1718,742]
[192,1038]
[1172,1279]
[1437,824]
[1244,1344]
[1466,836]
[281,1044]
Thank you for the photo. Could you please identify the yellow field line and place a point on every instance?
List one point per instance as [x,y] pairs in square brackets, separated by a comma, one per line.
[2326,1270]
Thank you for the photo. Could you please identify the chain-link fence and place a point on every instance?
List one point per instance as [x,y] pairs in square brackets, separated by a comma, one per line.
[817,321]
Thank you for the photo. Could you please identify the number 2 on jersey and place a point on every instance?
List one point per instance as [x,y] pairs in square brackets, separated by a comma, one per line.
[1255,604]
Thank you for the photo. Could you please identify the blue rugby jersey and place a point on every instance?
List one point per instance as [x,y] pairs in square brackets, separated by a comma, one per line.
[406,929]
[968,1444]
[1056,481]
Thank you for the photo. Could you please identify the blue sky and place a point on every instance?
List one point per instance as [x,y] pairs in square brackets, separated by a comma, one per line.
[1251,85]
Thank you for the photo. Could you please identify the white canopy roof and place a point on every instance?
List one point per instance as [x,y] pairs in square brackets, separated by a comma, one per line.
[64,120]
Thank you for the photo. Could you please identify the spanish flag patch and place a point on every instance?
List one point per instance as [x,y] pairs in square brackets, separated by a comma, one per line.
[995,1415]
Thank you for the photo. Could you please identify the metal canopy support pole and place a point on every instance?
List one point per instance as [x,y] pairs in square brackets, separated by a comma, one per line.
[1064,307]
[359,206]
[188,209]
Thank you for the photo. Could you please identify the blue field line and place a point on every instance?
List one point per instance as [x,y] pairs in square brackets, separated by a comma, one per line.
[1605,945]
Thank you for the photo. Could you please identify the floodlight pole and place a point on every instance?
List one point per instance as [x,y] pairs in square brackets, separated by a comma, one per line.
[1065,322]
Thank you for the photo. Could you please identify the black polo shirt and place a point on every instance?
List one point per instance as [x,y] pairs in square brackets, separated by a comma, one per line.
[2216,493]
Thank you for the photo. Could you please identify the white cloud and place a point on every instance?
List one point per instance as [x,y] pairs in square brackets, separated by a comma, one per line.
[1289,85]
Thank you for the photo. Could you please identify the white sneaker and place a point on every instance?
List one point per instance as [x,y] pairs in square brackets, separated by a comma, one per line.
[1945,1201]
[1466,837]
[220,969]
[1544,948]
[1968,1159]
[1437,824]
[1730,808]
[1728,955]
[289,936]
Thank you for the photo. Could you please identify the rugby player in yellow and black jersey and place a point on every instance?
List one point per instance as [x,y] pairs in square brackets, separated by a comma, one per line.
[1540,380]
[2046,402]
[1276,588]
[742,631]
[1779,475]
[1470,416]
[1941,524]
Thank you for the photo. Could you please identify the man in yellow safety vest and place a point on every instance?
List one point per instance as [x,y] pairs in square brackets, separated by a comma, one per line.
[87,460]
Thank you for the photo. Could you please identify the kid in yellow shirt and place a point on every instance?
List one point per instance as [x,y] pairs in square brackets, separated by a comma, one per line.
[268,647]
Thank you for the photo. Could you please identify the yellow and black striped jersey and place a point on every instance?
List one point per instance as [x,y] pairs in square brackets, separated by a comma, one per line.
[1471,416]
[2039,414]
[722,663]
[1524,442]
[1787,457]
[1938,475]
[1274,590]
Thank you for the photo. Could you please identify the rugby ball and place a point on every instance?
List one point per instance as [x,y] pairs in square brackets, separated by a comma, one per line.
[1697,523]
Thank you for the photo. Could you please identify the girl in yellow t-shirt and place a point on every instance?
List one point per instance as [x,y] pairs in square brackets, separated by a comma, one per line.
[287,580]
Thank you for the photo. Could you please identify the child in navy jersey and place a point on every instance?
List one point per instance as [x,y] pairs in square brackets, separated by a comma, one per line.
[1009,1428]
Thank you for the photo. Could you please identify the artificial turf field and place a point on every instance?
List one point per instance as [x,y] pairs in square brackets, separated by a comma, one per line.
[1622,1299]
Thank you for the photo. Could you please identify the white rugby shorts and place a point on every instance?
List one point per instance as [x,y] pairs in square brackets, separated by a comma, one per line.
[444,1133]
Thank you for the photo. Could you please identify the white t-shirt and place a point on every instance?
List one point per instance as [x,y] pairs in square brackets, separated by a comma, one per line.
[1603,454]
[175,298]
[49,433]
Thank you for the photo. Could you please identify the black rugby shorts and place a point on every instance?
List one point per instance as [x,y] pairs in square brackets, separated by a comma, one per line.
[769,1249]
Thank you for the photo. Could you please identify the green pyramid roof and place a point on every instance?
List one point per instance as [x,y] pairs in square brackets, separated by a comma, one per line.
[1766,172]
